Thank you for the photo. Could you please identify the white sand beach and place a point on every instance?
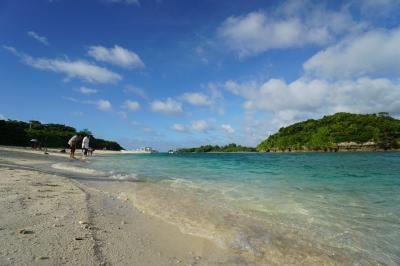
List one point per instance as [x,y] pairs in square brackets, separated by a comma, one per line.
[47,218]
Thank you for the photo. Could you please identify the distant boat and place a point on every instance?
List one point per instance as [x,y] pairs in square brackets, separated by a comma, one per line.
[140,151]
[171,151]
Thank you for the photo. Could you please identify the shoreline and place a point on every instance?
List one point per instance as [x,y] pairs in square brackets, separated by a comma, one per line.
[76,221]
[332,151]
[56,151]
[138,221]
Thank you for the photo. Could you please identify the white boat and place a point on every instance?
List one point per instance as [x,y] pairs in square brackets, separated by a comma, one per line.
[139,151]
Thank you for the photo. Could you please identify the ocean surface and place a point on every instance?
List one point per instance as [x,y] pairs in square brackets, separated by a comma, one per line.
[294,208]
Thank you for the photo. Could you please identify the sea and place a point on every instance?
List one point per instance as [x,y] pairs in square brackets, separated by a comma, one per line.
[279,208]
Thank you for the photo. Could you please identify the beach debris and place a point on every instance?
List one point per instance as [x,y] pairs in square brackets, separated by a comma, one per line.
[25,232]
[42,258]
[58,225]
[85,225]
[78,238]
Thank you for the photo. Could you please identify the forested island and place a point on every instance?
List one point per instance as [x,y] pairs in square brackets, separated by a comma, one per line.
[227,148]
[20,133]
[338,132]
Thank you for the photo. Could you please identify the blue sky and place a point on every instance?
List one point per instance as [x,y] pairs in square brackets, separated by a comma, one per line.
[173,74]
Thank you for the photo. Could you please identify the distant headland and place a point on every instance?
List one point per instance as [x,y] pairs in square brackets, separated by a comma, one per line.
[336,133]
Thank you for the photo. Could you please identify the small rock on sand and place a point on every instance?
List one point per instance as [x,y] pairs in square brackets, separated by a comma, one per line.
[25,232]
[42,258]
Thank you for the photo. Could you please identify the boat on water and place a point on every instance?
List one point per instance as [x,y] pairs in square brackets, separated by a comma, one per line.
[143,150]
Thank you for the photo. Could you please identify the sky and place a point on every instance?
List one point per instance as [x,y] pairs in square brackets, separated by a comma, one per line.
[177,73]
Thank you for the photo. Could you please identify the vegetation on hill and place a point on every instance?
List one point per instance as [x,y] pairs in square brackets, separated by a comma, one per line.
[19,133]
[227,148]
[336,132]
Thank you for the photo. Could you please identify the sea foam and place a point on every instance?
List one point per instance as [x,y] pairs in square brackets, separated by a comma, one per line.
[77,169]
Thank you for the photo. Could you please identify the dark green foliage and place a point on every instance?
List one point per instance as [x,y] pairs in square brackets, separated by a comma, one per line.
[18,133]
[13,133]
[101,144]
[326,133]
[228,148]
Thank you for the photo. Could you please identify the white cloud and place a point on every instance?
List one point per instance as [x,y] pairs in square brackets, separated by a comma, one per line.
[304,98]
[168,107]
[212,98]
[131,105]
[135,90]
[122,114]
[227,128]
[179,127]
[197,99]
[77,113]
[294,24]
[200,51]
[378,7]
[374,52]
[71,99]
[117,56]
[147,130]
[86,90]
[73,69]
[38,38]
[200,125]
[103,105]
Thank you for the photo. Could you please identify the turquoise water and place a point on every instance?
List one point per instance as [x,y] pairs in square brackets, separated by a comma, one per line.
[334,208]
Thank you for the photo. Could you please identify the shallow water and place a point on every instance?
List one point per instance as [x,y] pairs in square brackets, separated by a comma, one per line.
[298,208]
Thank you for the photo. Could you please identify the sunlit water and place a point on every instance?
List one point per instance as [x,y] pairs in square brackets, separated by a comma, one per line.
[299,208]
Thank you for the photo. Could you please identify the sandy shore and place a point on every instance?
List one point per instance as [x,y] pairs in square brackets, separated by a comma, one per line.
[48,217]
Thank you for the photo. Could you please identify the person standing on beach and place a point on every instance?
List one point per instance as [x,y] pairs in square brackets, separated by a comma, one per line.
[72,145]
[85,145]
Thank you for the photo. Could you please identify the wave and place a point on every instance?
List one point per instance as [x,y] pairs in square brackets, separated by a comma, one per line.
[77,169]
[125,177]
[92,172]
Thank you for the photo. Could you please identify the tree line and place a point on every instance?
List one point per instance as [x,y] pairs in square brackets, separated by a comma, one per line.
[20,133]
[227,148]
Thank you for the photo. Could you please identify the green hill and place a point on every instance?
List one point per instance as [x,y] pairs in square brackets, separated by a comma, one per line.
[19,133]
[338,132]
